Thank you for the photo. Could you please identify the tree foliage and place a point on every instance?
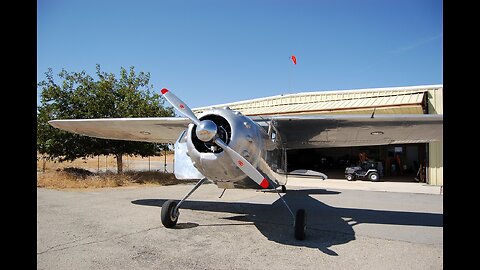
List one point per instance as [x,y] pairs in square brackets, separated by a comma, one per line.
[80,96]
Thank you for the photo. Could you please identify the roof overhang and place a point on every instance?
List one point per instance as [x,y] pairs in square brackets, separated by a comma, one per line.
[393,100]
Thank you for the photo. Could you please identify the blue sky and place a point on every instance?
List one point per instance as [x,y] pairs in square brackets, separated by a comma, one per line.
[218,51]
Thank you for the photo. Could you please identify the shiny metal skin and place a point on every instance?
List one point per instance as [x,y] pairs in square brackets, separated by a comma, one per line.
[206,131]
[241,134]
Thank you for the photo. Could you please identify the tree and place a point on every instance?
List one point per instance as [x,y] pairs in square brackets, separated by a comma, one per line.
[79,96]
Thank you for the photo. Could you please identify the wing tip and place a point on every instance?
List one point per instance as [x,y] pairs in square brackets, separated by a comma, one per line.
[53,123]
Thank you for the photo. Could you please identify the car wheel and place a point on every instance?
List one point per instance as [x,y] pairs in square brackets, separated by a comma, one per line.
[374,177]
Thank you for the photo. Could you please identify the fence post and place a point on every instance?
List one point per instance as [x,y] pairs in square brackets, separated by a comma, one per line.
[165,162]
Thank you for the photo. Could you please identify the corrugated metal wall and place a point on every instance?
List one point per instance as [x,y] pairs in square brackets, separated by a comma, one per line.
[435,149]
[398,100]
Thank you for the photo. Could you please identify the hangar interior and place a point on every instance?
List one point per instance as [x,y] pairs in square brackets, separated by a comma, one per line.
[399,162]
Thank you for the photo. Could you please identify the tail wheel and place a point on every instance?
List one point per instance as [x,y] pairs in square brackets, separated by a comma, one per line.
[300,224]
[169,218]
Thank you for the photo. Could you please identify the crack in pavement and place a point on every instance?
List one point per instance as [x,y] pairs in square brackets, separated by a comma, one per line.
[54,248]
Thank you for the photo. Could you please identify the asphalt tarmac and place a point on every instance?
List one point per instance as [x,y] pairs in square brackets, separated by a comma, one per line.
[120,228]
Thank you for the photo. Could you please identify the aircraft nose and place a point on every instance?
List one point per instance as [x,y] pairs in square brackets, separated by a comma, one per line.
[206,130]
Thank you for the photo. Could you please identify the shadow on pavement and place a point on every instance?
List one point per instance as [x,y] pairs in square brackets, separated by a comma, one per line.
[327,226]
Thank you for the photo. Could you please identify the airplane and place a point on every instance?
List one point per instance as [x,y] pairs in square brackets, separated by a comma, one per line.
[237,151]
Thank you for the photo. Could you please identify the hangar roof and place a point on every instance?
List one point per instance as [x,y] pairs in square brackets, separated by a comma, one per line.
[393,100]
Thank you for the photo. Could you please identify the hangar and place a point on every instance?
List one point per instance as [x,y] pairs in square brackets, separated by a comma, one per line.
[421,162]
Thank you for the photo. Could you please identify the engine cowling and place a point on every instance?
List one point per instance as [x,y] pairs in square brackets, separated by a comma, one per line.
[239,132]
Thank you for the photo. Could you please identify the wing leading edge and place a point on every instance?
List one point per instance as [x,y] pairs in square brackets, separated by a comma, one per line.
[357,130]
[156,129]
[295,131]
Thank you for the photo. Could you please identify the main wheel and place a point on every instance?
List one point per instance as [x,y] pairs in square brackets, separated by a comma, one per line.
[373,177]
[350,177]
[300,224]
[284,189]
[169,218]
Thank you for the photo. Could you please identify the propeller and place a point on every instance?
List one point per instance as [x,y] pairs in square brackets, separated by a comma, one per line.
[243,164]
[180,106]
[207,130]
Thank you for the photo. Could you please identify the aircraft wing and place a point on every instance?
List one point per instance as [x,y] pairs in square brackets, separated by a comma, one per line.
[155,129]
[356,130]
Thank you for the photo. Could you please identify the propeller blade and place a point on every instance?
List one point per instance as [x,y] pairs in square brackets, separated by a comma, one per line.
[180,105]
[243,164]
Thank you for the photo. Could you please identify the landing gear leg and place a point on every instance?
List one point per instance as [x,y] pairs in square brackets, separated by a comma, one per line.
[284,189]
[170,208]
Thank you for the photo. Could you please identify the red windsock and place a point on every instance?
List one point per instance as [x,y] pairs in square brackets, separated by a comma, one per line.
[294,59]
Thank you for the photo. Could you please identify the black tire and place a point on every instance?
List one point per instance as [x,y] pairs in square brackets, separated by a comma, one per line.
[300,224]
[169,219]
[284,189]
[350,177]
[374,177]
